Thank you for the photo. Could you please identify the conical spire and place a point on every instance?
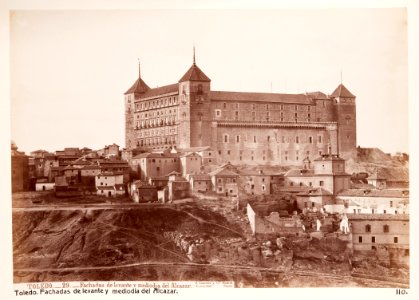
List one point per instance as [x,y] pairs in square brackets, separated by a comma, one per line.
[139,86]
[194,73]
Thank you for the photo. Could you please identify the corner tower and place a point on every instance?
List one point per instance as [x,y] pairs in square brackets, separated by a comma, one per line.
[345,109]
[194,108]
[134,92]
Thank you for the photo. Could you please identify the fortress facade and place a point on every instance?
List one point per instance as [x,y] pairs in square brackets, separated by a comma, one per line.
[242,128]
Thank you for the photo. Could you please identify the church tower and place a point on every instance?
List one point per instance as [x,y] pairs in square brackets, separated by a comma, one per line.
[345,112]
[194,108]
[134,92]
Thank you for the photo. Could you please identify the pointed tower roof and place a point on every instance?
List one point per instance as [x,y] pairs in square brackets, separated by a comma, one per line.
[139,86]
[194,73]
[342,91]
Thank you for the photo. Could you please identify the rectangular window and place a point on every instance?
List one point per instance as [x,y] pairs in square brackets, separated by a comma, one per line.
[228,152]
[310,139]
[396,239]
[373,239]
[218,113]
[237,138]
[237,115]
[297,139]
[254,139]
[321,183]
[360,239]
[224,105]
[319,138]
[225,138]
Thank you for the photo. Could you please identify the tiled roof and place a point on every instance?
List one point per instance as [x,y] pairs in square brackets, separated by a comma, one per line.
[398,217]
[223,172]
[91,167]
[138,87]
[157,155]
[261,97]
[342,91]
[375,193]
[317,95]
[110,174]
[299,173]
[196,149]
[327,157]
[112,161]
[162,90]
[143,185]
[188,154]
[200,177]
[315,192]
[294,189]
[194,74]
[161,178]
[107,187]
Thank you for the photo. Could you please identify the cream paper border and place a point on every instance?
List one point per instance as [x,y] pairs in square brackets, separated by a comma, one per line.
[6,275]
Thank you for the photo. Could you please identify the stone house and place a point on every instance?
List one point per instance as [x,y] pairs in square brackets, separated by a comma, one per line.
[178,186]
[391,232]
[110,184]
[225,181]
[372,201]
[143,192]
[328,174]
[156,164]
[200,183]
[190,163]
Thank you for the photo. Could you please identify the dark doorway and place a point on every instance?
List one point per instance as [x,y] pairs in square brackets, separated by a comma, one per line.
[109,194]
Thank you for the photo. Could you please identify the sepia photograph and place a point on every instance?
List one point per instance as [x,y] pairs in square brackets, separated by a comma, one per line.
[245,148]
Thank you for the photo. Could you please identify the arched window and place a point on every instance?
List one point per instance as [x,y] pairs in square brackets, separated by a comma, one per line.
[368,228]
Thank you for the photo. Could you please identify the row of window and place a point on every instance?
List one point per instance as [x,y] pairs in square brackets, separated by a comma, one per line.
[386,228]
[163,102]
[270,106]
[286,157]
[360,239]
[152,114]
[269,117]
[284,139]
[168,140]
[155,123]
[157,132]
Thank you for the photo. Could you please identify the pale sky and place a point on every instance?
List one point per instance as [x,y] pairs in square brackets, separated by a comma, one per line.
[69,69]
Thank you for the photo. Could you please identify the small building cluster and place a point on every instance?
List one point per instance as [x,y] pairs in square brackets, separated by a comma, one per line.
[71,172]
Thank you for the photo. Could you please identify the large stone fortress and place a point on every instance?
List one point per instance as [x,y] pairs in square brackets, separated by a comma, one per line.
[242,128]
